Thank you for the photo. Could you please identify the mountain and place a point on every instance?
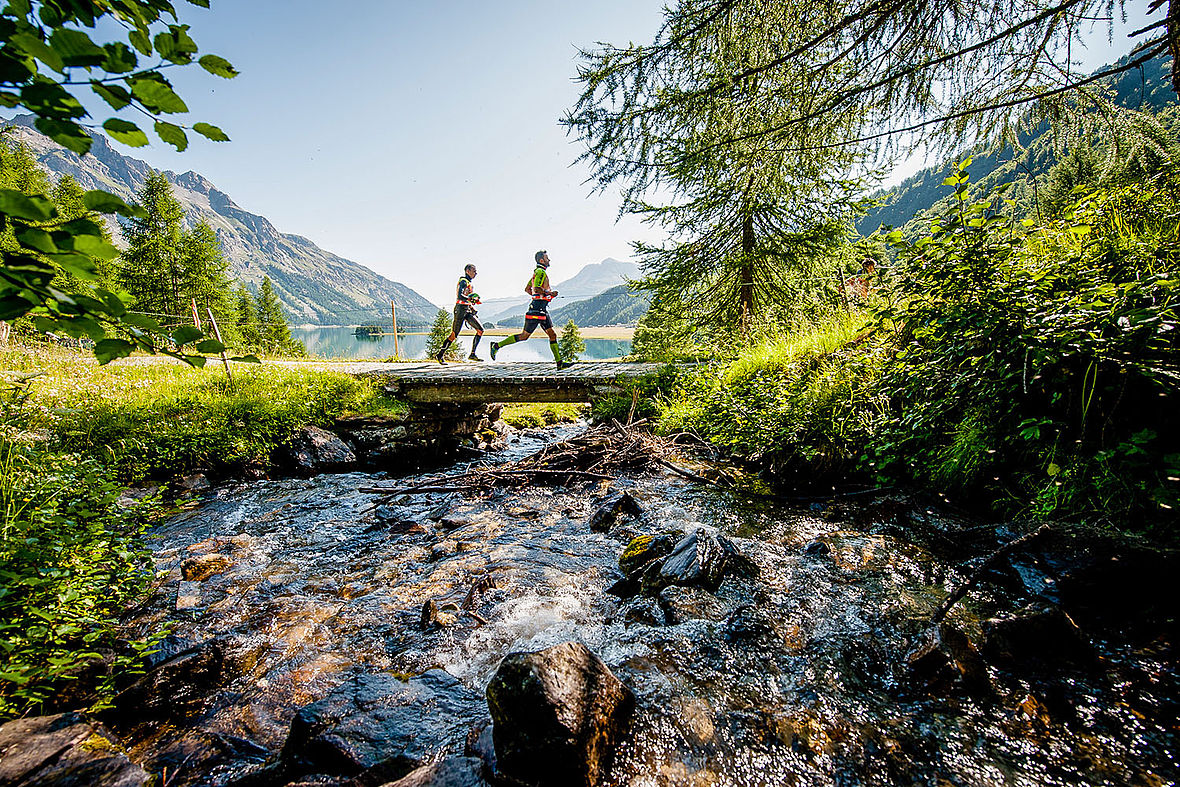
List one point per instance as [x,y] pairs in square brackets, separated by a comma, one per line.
[314,285]
[616,306]
[1148,88]
[593,279]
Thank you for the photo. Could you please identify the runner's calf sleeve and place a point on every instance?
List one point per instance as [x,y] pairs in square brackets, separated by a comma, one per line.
[507,341]
[556,352]
[475,342]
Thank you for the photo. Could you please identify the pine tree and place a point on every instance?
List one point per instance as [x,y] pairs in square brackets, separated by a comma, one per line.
[249,330]
[205,277]
[151,269]
[438,334]
[272,323]
[570,344]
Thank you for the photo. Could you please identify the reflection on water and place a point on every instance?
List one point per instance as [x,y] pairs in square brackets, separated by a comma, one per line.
[341,342]
[788,678]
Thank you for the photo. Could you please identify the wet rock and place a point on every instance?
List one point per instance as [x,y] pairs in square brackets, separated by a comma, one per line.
[817,548]
[1038,637]
[644,549]
[557,714]
[175,688]
[444,549]
[197,482]
[434,617]
[188,596]
[944,660]
[614,508]
[750,623]
[453,772]
[66,750]
[682,604]
[200,568]
[190,760]
[312,449]
[134,495]
[645,611]
[702,559]
[377,728]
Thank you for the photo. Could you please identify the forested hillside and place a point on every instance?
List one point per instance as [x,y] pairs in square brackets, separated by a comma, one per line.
[617,306]
[1145,88]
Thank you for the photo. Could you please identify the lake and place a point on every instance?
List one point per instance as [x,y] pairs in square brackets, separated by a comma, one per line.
[341,342]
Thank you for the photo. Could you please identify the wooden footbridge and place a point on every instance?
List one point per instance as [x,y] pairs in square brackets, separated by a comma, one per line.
[503,382]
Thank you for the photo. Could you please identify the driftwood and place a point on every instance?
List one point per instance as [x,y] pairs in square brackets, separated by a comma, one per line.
[961,591]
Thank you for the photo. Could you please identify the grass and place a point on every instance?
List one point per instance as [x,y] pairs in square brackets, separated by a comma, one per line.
[523,416]
[151,419]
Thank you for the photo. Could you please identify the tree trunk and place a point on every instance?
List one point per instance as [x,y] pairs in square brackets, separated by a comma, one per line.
[746,274]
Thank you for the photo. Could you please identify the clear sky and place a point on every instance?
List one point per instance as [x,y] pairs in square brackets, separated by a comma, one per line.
[416,137]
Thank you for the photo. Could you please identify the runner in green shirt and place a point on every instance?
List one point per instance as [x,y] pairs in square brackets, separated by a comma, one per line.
[538,312]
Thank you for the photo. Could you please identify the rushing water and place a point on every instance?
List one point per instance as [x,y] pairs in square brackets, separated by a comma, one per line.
[789,678]
[341,342]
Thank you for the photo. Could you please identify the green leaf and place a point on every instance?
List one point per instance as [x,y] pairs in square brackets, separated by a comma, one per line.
[108,350]
[201,3]
[95,247]
[126,132]
[245,358]
[210,346]
[65,133]
[172,134]
[115,95]
[120,58]
[76,48]
[105,202]
[27,207]
[13,306]
[185,334]
[30,44]
[76,263]
[212,132]
[36,239]
[156,93]
[218,66]
[140,41]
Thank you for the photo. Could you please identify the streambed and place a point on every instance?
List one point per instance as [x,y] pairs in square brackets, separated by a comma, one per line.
[796,676]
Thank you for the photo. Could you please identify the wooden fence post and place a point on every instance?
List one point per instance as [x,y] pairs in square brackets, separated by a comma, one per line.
[397,353]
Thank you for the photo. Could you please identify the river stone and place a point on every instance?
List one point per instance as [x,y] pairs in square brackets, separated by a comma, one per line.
[174,688]
[1040,636]
[682,604]
[610,512]
[201,567]
[66,750]
[644,549]
[312,449]
[943,660]
[558,714]
[453,772]
[702,558]
[378,728]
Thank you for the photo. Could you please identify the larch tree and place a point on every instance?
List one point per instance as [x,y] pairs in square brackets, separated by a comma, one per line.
[205,271]
[152,267]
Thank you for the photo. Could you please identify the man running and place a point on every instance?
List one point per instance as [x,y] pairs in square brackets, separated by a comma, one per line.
[466,300]
[538,313]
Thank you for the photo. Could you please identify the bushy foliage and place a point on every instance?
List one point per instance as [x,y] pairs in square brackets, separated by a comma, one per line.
[1031,367]
[70,560]
[635,397]
[438,334]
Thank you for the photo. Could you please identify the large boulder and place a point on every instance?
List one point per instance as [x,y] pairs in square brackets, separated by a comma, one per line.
[381,728]
[312,450]
[557,716]
[610,511]
[66,750]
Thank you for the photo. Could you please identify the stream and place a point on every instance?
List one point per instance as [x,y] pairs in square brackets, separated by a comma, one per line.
[794,677]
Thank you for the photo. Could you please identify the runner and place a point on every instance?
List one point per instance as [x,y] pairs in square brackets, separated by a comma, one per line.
[538,313]
[466,300]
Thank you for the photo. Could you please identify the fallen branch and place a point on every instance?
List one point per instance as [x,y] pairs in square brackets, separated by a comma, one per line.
[961,591]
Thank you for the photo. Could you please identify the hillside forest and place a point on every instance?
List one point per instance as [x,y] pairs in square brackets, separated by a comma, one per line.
[997,334]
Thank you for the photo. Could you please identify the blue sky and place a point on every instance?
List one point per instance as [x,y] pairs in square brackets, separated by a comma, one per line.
[416,137]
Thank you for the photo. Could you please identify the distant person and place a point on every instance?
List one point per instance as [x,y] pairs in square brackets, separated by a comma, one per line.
[466,299]
[857,287]
[538,313]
